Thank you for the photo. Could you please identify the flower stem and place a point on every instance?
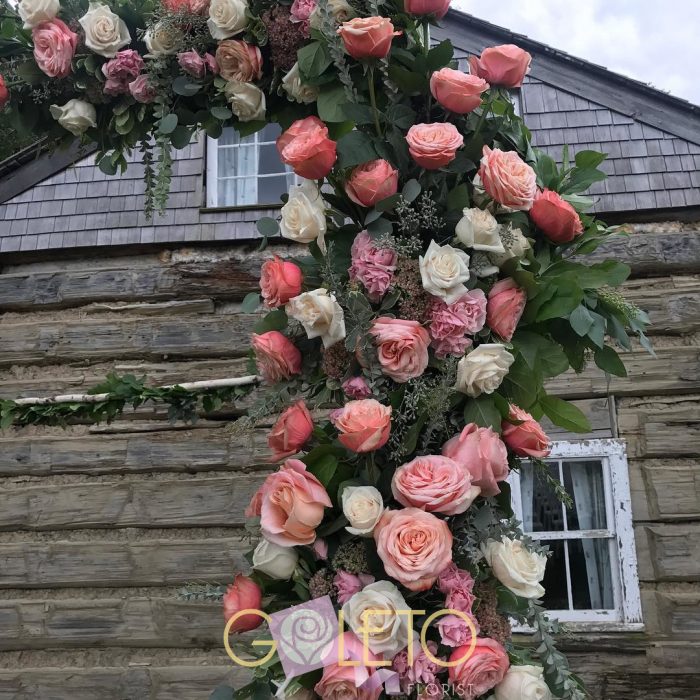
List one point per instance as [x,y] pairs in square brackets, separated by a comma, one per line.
[373,101]
[426,38]
[482,119]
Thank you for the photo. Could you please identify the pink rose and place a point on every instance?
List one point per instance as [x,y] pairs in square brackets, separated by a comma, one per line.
[211,64]
[505,65]
[484,455]
[239,60]
[461,599]
[192,63]
[505,307]
[371,182]
[300,12]
[455,631]
[291,431]
[558,220]
[306,147]
[346,584]
[54,47]
[449,323]
[414,546]
[508,179]
[456,91]
[121,70]
[193,7]
[427,7]
[356,388]
[280,281]
[320,548]
[402,347]
[526,438]
[423,671]
[433,146]
[480,671]
[368,37]
[276,356]
[435,484]
[142,90]
[4,93]
[364,425]
[255,506]
[373,267]
[243,594]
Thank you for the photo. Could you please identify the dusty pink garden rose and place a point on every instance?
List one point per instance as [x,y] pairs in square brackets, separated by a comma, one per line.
[508,179]
[305,146]
[505,65]
[239,60]
[427,7]
[450,323]
[526,438]
[455,631]
[276,356]
[456,91]
[243,594]
[368,37]
[192,63]
[402,347]
[4,93]
[300,12]
[54,47]
[356,388]
[347,584]
[414,546]
[280,281]
[373,267]
[364,425]
[211,64]
[558,220]
[194,7]
[480,671]
[371,182]
[505,306]
[121,70]
[435,484]
[433,146]
[423,671]
[142,90]
[291,431]
[483,454]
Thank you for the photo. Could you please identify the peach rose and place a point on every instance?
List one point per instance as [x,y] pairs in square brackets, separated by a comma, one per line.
[280,281]
[368,37]
[526,439]
[371,182]
[4,93]
[456,91]
[364,425]
[433,146]
[54,47]
[558,220]
[427,7]
[508,179]
[435,484]
[239,60]
[414,547]
[306,147]
[505,65]
[480,671]
[483,454]
[276,356]
[504,308]
[291,431]
[402,347]
[292,502]
[243,594]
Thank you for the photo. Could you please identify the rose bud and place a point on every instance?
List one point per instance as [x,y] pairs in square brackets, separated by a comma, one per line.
[243,594]
[505,65]
[504,308]
[280,281]
[291,431]
[368,37]
[427,7]
[456,91]
[306,147]
[433,146]
[558,220]
[526,438]
[371,182]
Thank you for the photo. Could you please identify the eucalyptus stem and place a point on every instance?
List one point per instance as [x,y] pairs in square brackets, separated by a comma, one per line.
[373,101]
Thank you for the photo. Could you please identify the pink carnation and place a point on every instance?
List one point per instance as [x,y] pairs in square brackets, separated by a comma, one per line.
[301,11]
[423,672]
[455,631]
[347,584]
[373,267]
[452,577]
[356,388]
[122,70]
[450,323]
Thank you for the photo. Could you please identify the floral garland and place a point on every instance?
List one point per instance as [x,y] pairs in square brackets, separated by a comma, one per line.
[442,287]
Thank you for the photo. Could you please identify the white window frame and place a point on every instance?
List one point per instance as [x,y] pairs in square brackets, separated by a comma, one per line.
[627,615]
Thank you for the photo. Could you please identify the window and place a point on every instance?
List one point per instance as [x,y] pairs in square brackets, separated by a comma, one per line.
[246,171]
[591,575]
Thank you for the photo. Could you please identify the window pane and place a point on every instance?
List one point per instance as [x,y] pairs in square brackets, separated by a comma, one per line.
[584,482]
[237,192]
[269,132]
[556,596]
[591,580]
[542,510]
[270,160]
[270,189]
[230,136]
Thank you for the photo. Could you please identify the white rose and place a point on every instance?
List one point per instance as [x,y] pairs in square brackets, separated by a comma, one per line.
[340,10]
[34,12]
[296,90]
[303,215]
[518,569]
[227,18]
[478,229]
[247,100]
[483,369]
[274,560]
[515,245]
[444,270]
[76,116]
[387,630]
[162,40]
[363,507]
[523,683]
[320,314]
[105,32]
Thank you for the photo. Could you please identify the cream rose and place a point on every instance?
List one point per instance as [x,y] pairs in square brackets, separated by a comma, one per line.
[515,245]
[340,10]
[76,116]
[105,32]
[483,369]
[478,229]
[274,560]
[363,507]
[296,90]
[444,270]
[303,215]
[227,18]
[523,683]
[378,614]
[247,100]
[320,314]
[518,569]
[162,40]
[34,12]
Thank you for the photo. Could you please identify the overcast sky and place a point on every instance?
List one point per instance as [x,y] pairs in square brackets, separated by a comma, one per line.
[655,42]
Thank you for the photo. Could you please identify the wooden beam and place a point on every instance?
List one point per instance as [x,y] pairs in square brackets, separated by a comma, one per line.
[668,552]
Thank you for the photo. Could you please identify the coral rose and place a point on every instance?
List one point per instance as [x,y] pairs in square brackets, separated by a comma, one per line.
[414,546]
[291,431]
[402,347]
[121,70]
[4,93]
[435,484]
[456,91]
[505,307]
[373,267]
[276,356]
[505,65]
[433,146]
[480,671]
[558,220]
[54,47]
[526,438]
[364,425]
[371,182]
[482,453]
[368,37]
[280,281]
[243,594]
[508,179]
[427,7]
[239,60]
[306,147]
